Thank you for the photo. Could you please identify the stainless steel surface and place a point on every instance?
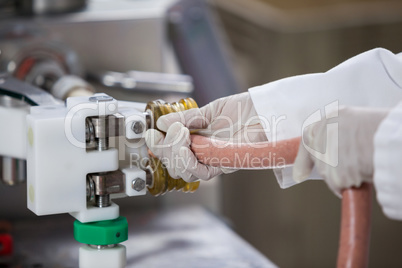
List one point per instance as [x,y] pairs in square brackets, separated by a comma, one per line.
[101,126]
[44,74]
[100,247]
[12,170]
[100,98]
[138,25]
[108,183]
[116,125]
[98,129]
[90,189]
[102,144]
[149,176]
[149,81]
[89,133]
[138,184]
[184,237]
[34,96]
[7,101]
[103,185]
[42,7]
[101,133]
[148,119]
[32,56]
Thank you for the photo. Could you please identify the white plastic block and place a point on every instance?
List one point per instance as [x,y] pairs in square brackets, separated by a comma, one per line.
[130,175]
[58,162]
[13,131]
[133,153]
[103,258]
[92,214]
[133,112]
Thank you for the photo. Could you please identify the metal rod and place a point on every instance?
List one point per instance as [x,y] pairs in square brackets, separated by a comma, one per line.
[13,171]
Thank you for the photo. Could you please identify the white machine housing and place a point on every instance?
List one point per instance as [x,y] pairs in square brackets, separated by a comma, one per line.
[58,160]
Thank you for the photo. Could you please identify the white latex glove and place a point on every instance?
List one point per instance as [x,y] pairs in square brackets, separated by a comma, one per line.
[232,119]
[387,164]
[174,152]
[340,146]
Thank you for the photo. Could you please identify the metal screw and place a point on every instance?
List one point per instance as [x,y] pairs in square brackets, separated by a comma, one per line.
[149,176]
[90,189]
[102,201]
[138,127]
[102,98]
[148,118]
[138,184]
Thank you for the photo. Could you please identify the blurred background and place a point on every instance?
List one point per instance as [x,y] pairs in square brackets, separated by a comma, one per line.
[227,46]
[299,227]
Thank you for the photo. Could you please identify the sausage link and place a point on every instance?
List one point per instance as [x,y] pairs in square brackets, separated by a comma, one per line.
[354,239]
[257,155]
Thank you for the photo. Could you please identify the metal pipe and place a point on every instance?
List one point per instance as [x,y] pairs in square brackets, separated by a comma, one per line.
[12,170]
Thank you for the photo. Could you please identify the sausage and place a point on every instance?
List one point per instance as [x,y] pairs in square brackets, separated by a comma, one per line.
[354,236]
[257,155]
[354,239]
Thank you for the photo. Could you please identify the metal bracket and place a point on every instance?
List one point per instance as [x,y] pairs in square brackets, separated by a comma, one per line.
[100,128]
[33,96]
[101,185]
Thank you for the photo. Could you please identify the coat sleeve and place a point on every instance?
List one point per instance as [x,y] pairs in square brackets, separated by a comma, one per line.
[287,106]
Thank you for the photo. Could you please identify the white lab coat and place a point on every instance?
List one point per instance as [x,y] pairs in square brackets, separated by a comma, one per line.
[373,79]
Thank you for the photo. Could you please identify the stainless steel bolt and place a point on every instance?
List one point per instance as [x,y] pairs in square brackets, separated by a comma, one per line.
[138,184]
[90,189]
[102,98]
[138,127]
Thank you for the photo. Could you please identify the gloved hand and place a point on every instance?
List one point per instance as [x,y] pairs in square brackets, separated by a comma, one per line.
[231,119]
[387,160]
[342,153]
[174,152]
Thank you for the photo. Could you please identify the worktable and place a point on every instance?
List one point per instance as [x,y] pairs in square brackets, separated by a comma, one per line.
[181,237]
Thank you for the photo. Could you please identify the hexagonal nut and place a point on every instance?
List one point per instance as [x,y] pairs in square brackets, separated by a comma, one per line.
[138,127]
[138,184]
[108,232]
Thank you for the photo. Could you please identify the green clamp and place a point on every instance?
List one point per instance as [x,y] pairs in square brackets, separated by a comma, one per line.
[101,232]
